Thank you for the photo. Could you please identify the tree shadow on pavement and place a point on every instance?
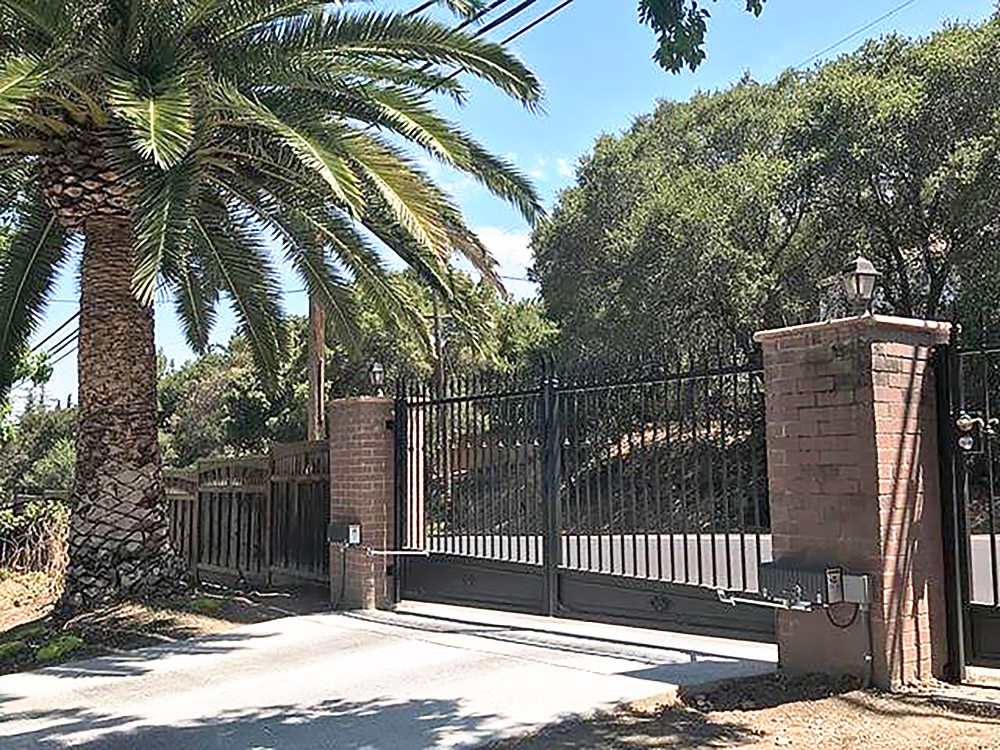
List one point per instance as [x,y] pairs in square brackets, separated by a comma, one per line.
[336,723]
[673,727]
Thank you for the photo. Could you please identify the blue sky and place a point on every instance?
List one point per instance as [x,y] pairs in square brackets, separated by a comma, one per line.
[595,62]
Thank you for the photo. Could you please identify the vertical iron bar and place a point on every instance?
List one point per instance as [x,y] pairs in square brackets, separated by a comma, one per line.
[755,469]
[552,448]
[713,500]
[629,395]
[696,434]
[577,524]
[741,476]
[685,464]
[724,439]
[988,457]
[646,477]
[955,539]
[400,429]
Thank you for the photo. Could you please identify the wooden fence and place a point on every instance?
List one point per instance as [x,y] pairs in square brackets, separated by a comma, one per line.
[261,519]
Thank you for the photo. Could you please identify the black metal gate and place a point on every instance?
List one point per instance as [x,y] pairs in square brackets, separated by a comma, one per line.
[968,377]
[625,494]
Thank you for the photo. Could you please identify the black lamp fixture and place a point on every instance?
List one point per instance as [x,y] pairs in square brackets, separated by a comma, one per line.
[858,278]
[376,376]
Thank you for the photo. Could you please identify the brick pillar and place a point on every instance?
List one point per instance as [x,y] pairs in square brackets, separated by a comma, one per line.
[853,470]
[361,491]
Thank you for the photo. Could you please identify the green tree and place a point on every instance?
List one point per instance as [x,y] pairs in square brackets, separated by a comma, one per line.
[713,218]
[680,26]
[175,137]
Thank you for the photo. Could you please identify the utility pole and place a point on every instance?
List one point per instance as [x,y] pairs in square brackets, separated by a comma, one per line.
[316,406]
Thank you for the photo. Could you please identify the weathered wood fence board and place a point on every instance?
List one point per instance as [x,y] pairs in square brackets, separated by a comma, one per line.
[260,519]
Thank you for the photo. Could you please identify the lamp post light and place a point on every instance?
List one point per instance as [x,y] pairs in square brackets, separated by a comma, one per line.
[376,377]
[858,279]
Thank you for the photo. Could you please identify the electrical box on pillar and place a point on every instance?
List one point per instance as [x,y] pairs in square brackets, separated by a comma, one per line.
[346,534]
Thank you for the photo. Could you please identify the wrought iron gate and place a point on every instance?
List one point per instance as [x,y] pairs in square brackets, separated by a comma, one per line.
[625,494]
[968,377]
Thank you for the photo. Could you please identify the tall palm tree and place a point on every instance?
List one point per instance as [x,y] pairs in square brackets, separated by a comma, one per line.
[180,139]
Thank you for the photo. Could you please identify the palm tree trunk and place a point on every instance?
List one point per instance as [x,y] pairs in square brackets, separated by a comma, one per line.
[119,534]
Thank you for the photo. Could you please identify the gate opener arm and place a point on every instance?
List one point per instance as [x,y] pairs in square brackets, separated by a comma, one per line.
[773,604]
[393,552]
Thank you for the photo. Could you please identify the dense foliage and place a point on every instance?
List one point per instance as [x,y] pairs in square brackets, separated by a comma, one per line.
[713,218]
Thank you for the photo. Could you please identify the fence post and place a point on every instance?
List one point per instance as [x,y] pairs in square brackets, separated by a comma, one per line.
[956,551]
[551,457]
[266,522]
[853,467]
[362,453]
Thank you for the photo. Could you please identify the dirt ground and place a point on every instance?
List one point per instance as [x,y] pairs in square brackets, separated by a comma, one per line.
[808,713]
[30,637]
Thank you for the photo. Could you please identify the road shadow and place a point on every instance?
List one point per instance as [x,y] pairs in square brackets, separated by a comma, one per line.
[673,727]
[653,662]
[341,724]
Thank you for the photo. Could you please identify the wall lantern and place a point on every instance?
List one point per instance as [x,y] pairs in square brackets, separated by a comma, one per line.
[376,377]
[858,278]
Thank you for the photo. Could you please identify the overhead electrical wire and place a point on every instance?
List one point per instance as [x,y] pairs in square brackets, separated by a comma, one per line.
[65,323]
[854,33]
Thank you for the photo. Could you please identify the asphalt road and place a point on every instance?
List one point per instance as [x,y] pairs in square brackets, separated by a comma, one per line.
[359,680]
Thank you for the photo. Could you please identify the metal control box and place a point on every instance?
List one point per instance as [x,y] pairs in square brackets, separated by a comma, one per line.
[344,533]
[795,584]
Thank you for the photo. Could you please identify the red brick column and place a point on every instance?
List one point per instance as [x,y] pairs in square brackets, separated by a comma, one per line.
[361,491]
[853,465]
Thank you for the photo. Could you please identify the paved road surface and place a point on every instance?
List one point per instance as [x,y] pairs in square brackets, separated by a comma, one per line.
[358,680]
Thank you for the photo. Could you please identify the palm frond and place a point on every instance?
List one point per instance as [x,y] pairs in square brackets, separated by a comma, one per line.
[337,38]
[20,85]
[196,298]
[27,272]
[162,224]
[313,151]
[161,117]
[236,256]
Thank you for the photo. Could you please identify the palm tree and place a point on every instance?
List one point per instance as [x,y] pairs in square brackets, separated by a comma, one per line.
[171,143]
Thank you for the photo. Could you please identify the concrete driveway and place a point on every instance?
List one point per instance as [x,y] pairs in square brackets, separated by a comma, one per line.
[426,676]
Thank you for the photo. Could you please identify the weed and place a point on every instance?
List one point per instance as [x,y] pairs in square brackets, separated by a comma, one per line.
[59,647]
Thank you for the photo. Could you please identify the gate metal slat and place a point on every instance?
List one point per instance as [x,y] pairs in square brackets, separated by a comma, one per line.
[991,483]
[593,529]
[755,484]
[479,517]
[723,438]
[697,479]
[741,479]
[685,464]
[644,450]
[711,442]
[578,525]
[609,497]
[666,478]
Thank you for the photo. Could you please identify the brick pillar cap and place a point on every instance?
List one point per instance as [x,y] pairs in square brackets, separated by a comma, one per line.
[937,331]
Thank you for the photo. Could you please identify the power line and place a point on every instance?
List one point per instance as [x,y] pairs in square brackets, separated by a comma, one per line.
[854,33]
[541,19]
[69,339]
[69,320]
[71,351]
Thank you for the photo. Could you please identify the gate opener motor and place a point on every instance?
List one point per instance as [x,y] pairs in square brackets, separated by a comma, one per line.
[788,586]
